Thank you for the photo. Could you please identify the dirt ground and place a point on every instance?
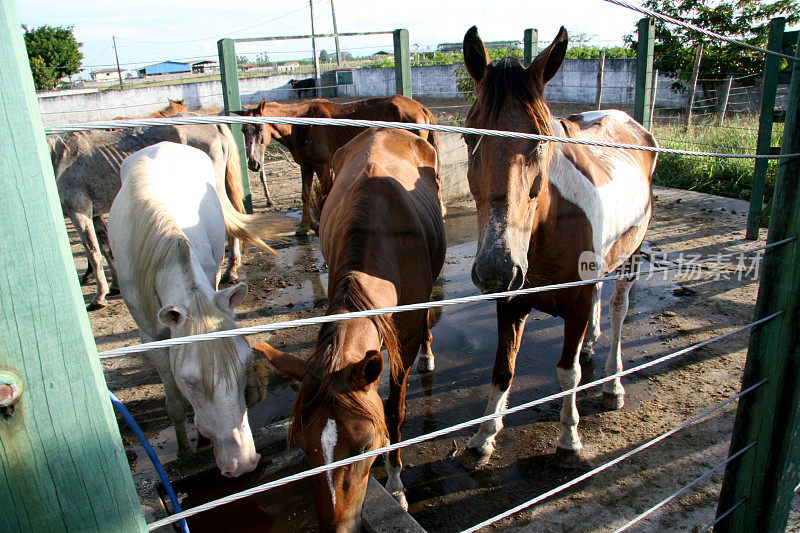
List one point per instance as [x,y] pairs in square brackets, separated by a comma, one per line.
[443,496]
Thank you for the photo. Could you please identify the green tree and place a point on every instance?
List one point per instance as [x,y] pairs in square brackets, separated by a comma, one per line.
[53,54]
[241,60]
[744,20]
[324,57]
[262,59]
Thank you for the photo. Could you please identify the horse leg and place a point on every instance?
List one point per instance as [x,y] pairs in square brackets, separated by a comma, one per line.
[593,331]
[511,318]
[569,376]
[426,362]
[395,410]
[307,177]
[263,176]
[231,274]
[613,392]
[101,230]
[83,224]
[175,403]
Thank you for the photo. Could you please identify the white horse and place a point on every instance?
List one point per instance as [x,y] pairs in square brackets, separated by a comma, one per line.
[167,232]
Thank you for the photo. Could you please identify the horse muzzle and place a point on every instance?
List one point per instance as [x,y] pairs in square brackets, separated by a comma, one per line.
[497,272]
[253,165]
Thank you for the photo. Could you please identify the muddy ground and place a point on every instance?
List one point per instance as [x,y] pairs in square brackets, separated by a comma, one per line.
[666,314]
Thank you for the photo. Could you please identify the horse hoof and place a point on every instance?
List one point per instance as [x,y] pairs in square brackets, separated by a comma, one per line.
[185,453]
[568,458]
[302,230]
[97,304]
[227,277]
[474,459]
[400,497]
[425,364]
[612,402]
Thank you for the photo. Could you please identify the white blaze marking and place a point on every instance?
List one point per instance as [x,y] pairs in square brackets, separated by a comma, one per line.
[328,442]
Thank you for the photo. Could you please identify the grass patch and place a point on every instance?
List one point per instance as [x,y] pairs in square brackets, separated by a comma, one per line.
[714,175]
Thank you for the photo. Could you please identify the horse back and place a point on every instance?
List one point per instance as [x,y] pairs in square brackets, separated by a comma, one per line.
[610,186]
[382,215]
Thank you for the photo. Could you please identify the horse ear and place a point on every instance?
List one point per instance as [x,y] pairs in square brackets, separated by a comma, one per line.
[368,370]
[231,297]
[544,67]
[476,58]
[262,106]
[172,317]
[179,102]
[285,363]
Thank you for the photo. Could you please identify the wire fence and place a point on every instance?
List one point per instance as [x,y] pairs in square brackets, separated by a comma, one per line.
[705,108]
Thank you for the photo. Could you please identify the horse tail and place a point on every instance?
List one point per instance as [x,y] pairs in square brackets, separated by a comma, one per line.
[233,171]
[251,229]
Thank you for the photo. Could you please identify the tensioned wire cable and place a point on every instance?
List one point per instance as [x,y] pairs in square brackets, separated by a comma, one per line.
[458,427]
[683,489]
[275,326]
[609,464]
[667,18]
[221,119]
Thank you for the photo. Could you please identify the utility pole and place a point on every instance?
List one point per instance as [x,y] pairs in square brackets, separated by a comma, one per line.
[336,37]
[119,72]
[314,49]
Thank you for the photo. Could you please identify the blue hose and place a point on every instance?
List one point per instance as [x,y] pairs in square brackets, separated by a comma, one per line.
[152,454]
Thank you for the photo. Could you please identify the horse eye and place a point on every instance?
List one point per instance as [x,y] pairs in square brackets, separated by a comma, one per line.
[192,382]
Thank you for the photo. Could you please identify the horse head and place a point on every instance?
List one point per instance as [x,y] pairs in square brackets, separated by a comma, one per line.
[507,176]
[211,375]
[256,136]
[338,414]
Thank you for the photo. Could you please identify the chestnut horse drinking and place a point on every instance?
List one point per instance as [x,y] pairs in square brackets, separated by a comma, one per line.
[312,147]
[383,236]
[551,213]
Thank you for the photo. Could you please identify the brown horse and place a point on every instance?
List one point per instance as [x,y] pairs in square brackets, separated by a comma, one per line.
[174,107]
[312,147]
[383,236]
[551,213]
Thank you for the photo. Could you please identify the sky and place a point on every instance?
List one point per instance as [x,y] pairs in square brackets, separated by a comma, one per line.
[149,31]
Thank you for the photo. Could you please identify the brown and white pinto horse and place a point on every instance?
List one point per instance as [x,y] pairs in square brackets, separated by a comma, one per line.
[383,236]
[551,213]
[312,147]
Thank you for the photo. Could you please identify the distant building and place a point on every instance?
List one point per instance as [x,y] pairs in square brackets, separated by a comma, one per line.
[166,67]
[104,74]
[199,67]
[288,66]
[381,53]
[491,45]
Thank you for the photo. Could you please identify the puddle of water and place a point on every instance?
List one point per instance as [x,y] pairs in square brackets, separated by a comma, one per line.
[286,509]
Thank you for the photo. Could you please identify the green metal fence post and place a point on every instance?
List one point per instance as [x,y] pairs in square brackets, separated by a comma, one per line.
[765,121]
[530,45]
[402,63]
[644,72]
[232,102]
[765,477]
[62,461]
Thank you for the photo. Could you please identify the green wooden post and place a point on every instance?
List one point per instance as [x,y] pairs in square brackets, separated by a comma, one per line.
[402,63]
[765,477]
[644,72]
[765,121]
[530,44]
[62,462]
[232,102]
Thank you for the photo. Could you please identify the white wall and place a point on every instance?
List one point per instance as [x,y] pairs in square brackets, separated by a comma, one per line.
[575,83]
